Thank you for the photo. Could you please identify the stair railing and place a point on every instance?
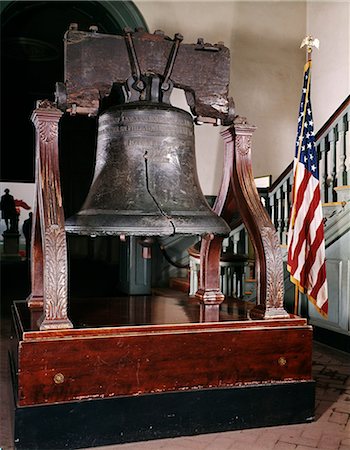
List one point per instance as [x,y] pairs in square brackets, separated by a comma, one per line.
[333,143]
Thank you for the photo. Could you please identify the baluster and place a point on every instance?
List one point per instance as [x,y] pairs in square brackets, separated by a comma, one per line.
[234,282]
[241,241]
[196,273]
[246,241]
[226,244]
[239,282]
[340,153]
[235,240]
[331,164]
[272,203]
[347,147]
[228,281]
[323,170]
[222,279]
[285,211]
[279,213]
[241,293]
[192,274]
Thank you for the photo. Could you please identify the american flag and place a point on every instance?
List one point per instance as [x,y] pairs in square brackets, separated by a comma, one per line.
[306,245]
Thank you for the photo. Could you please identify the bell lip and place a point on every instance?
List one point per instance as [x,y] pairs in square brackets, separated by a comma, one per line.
[79,231]
[141,224]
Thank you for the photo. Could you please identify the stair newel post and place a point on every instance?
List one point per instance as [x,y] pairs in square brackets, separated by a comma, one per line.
[49,249]
[269,264]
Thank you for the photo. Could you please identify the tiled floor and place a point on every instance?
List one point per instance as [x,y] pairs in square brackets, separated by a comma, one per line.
[329,431]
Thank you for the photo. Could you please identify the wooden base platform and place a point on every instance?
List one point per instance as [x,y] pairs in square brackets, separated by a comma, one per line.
[156,371]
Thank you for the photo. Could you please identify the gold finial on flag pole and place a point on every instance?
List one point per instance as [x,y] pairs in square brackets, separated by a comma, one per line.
[310,42]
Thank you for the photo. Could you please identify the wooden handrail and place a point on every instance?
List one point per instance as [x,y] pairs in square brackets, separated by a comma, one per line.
[281,177]
[333,117]
[319,133]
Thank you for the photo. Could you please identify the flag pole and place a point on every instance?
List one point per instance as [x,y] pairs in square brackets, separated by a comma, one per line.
[309,42]
[296,299]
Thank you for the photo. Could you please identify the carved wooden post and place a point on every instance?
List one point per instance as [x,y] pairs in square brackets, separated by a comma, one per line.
[209,291]
[35,300]
[269,264]
[49,249]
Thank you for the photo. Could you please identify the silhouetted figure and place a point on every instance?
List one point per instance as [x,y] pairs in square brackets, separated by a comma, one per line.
[27,231]
[8,211]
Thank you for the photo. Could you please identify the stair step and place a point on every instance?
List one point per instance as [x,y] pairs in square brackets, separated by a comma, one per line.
[180,284]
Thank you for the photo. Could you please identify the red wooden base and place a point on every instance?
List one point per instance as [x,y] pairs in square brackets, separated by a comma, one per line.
[128,360]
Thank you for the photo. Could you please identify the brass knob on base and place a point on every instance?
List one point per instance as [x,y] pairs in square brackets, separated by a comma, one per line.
[282,361]
[58,378]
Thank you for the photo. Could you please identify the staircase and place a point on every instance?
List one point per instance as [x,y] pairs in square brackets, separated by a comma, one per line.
[332,143]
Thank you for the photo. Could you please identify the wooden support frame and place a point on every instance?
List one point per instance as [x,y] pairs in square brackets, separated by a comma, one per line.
[49,273]
[238,188]
[49,250]
[155,368]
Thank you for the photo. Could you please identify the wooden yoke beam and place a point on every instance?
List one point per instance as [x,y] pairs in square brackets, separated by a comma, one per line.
[49,272]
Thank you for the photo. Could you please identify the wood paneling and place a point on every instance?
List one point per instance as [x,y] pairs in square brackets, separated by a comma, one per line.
[59,366]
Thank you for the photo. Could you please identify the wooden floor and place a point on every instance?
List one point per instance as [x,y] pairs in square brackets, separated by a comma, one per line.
[165,306]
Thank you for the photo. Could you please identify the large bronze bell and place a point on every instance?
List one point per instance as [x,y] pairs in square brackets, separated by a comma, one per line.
[145,180]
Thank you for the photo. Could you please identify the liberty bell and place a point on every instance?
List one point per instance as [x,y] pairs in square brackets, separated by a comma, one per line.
[145,181]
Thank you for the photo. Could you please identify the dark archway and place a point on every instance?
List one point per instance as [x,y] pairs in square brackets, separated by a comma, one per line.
[32,61]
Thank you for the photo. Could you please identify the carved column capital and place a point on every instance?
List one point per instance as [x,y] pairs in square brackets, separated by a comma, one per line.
[45,111]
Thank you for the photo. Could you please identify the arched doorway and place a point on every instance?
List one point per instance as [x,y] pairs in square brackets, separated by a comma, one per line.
[32,61]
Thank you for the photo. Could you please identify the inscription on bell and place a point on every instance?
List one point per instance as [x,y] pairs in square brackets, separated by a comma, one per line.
[152,128]
[155,117]
[155,122]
